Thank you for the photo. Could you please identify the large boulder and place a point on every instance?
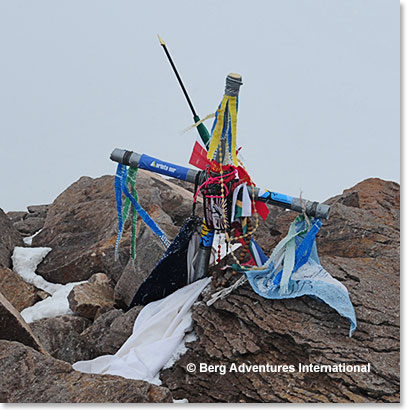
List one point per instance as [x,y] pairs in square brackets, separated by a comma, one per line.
[73,338]
[60,336]
[19,293]
[29,226]
[110,330]
[368,226]
[29,223]
[88,298]
[359,246]
[364,221]
[81,228]
[16,216]
[9,238]
[30,377]
[14,327]
[38,210]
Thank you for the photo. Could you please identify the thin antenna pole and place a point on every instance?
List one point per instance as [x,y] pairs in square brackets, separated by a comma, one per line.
[202,130]
[177,75]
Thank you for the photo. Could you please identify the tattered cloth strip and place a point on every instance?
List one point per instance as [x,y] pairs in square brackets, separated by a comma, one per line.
[171,272]
[241,204]
[257,253]
[224,127]
[157,332]
[242,209]
[122,213]
[305,274]
[121,186]
[207,117]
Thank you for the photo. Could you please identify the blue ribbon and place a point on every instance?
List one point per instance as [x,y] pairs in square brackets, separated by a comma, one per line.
[141,212]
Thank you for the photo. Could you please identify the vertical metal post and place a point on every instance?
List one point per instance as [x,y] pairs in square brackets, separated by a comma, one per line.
[204,251]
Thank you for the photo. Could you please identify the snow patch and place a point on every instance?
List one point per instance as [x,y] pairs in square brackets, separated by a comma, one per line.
[25,262]
[29,239]
[55,305]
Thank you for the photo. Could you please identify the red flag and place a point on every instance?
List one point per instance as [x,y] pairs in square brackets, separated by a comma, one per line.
[199,156]
[262,209]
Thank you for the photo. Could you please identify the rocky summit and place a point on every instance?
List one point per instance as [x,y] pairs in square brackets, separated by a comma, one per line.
[359,246]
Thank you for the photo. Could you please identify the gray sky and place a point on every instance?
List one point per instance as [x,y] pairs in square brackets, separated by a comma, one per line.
[319,109]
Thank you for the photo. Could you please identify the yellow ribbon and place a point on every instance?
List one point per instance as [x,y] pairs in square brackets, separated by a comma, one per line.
[212,115]
[231,102]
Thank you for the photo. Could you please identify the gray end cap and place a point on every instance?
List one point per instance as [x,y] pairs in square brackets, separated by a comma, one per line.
[233,83]
[316,209]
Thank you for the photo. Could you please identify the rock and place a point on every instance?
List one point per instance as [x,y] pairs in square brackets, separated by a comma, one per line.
[19,293]
[30,225]
[16,216]
[371,230]
[81,228]
[183,184]
[14,327]
[74,349]
[127,285]
[245,328]
[9,238]
[110,330]
[38,210]
[149,251]
[73,338]
[30,377]
[60,336]
[87,298]
[350,199]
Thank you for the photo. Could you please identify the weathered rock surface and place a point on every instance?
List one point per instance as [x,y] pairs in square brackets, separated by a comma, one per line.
[73,338]
[9,238]
[81,228]
[110,330]
[88,298]
[29,226]
[369,230]
[29,223]
[16,216]
[38,210]
[30,377]
[14,327]
[125,286]
[60,337]
[359,246]
[19,293]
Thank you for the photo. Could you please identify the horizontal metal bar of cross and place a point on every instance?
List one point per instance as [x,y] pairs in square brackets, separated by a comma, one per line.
[158,166]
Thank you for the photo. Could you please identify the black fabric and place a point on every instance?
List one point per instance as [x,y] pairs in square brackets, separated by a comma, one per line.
[126,157]
[170,273]
[313,209]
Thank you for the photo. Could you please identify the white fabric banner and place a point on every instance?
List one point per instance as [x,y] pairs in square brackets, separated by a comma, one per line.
[157,332]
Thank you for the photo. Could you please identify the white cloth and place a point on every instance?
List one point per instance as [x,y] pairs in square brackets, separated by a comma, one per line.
[246,201]
[193,248]
[157,332]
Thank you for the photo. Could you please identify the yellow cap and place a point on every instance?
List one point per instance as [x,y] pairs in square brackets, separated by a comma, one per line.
[236,76]
[161,40]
